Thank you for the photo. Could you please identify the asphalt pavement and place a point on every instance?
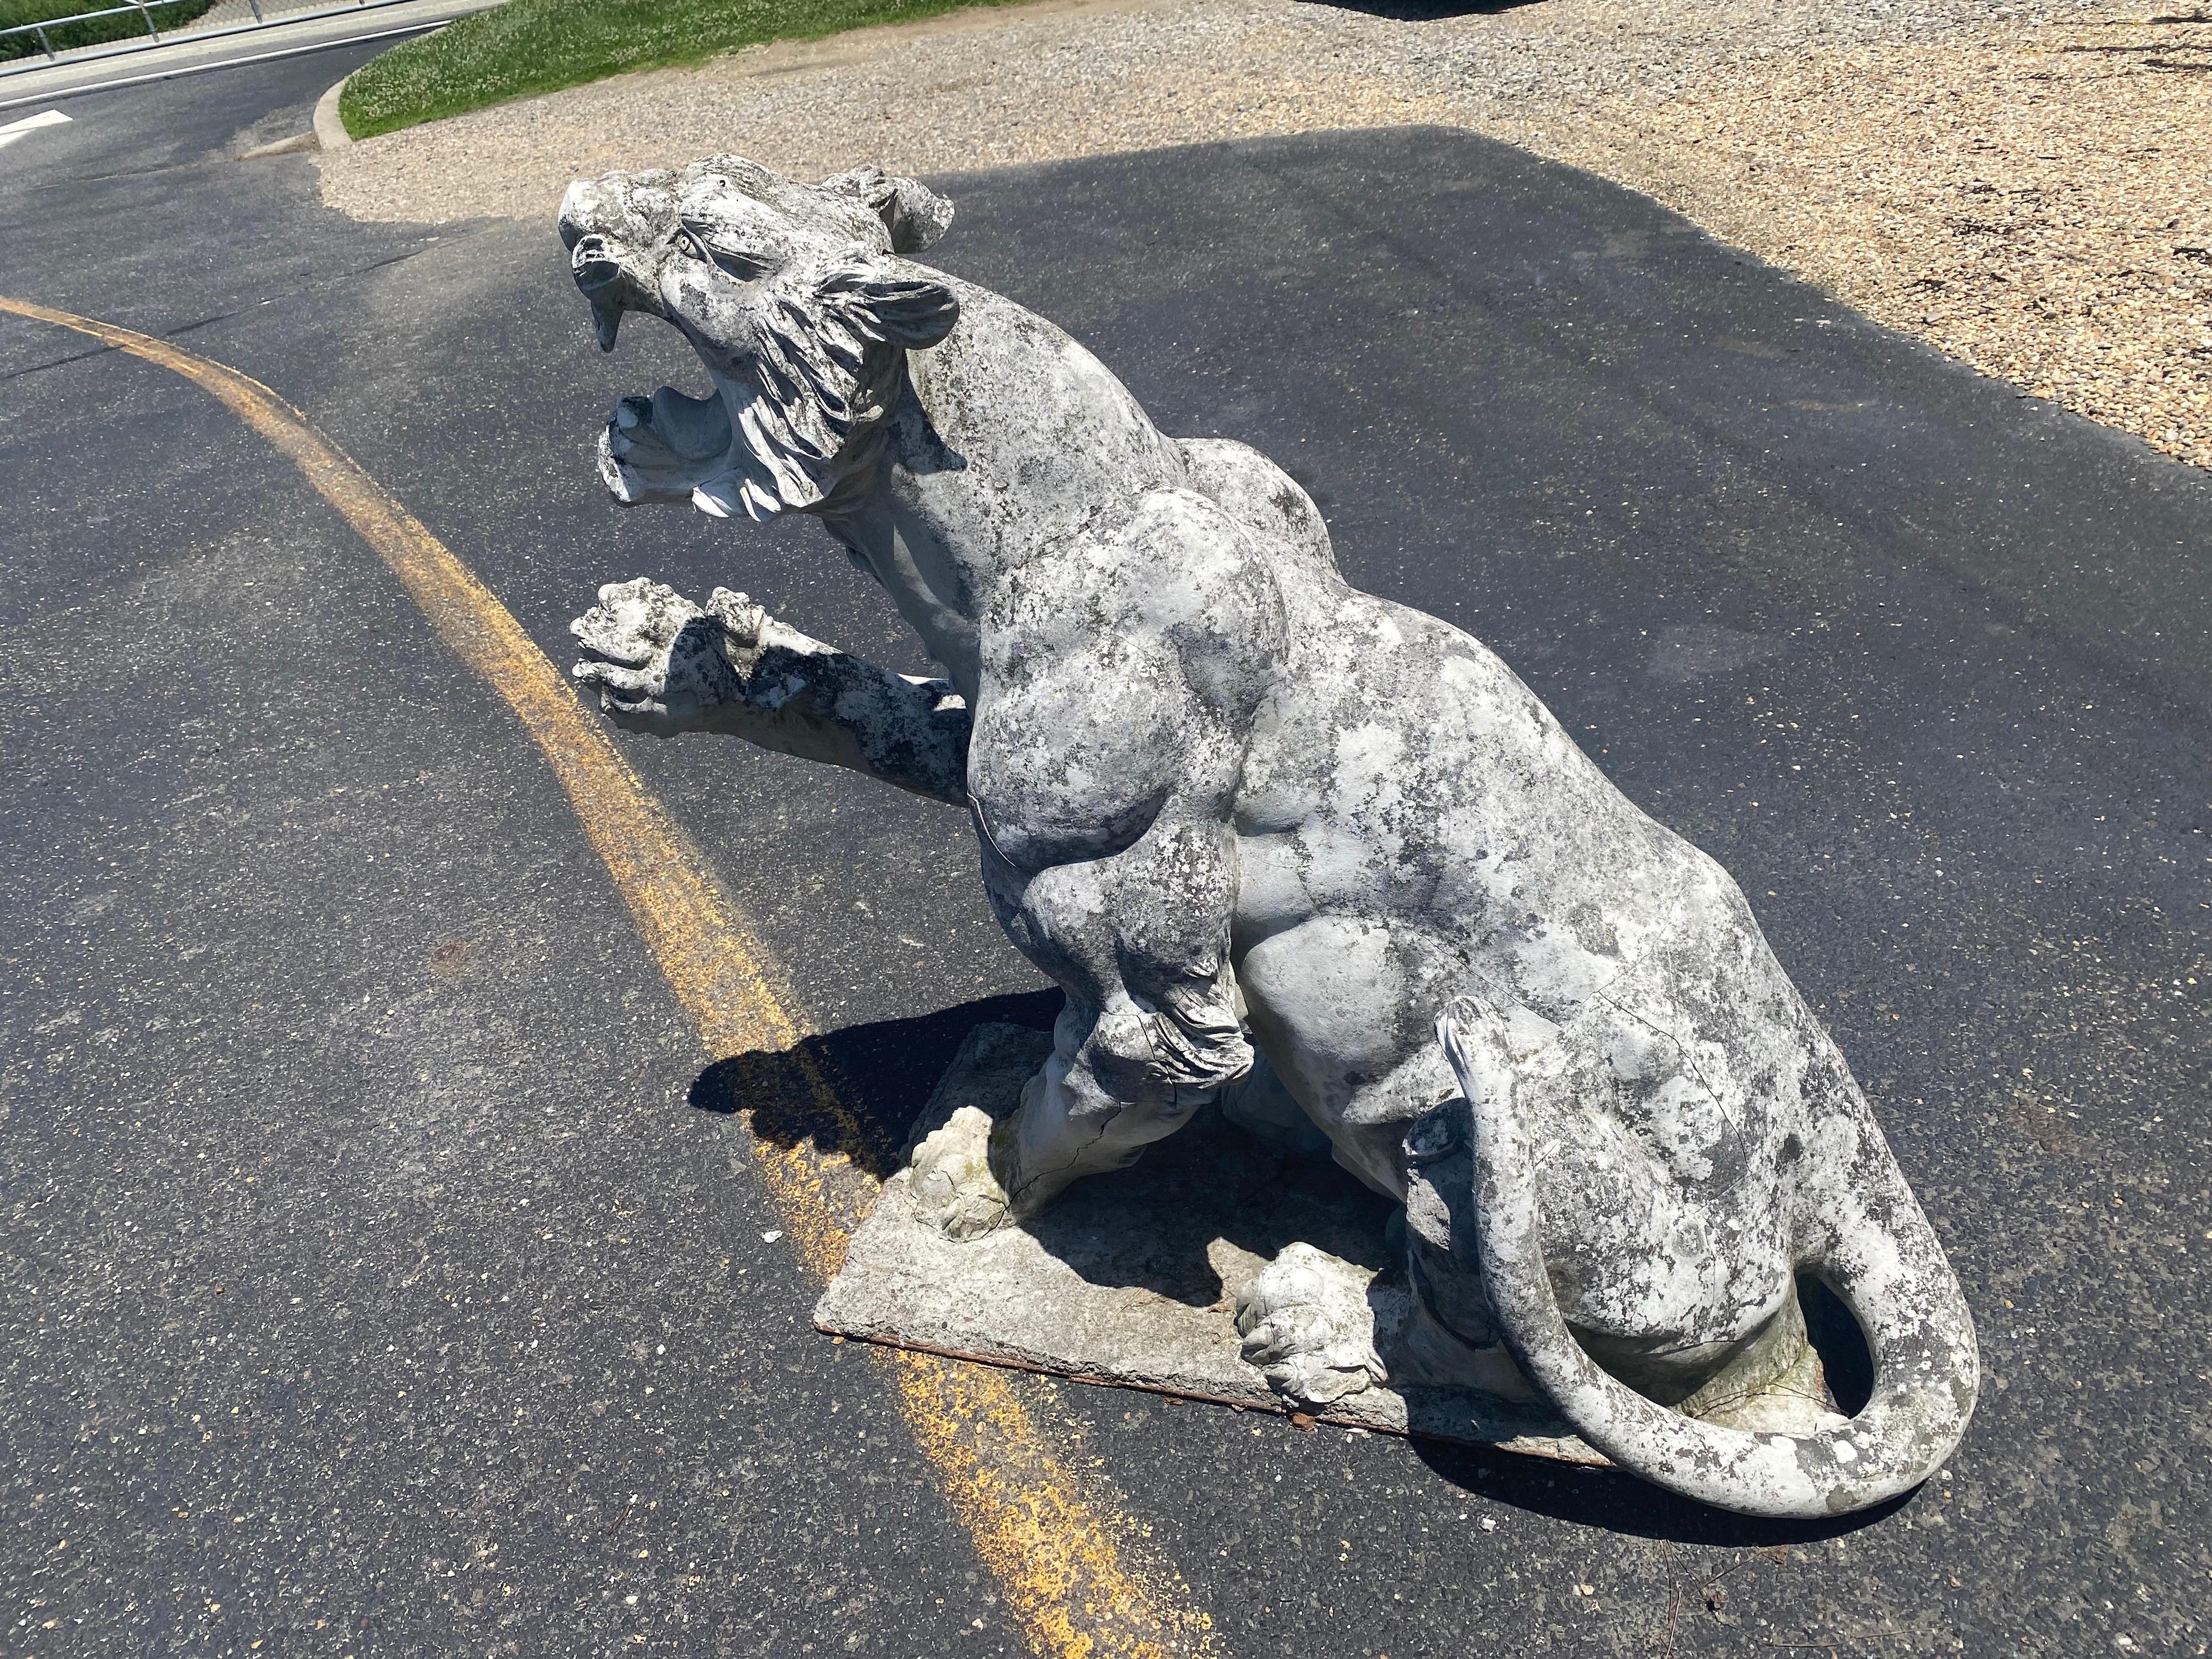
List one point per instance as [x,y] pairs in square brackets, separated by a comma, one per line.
[383,1271]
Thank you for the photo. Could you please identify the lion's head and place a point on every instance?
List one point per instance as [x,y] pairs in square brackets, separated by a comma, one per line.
[795,299]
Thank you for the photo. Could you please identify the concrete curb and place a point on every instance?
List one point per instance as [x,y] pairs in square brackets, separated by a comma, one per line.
[329,132]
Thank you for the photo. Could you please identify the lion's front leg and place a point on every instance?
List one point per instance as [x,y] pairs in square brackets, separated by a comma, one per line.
[664,665]
[1137,938]
[1120,681]
[1151,1031]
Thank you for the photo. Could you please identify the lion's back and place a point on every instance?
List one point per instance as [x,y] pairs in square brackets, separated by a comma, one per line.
[1408,776]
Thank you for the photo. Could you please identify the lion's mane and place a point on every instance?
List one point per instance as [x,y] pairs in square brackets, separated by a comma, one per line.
[827,366]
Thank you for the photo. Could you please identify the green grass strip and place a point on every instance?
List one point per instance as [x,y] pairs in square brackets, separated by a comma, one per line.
[129,27]
[526,47]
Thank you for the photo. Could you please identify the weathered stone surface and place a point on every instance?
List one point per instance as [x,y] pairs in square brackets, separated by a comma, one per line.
[1282,843]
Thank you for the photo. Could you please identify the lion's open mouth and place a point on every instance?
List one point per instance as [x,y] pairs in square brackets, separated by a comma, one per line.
[669,448]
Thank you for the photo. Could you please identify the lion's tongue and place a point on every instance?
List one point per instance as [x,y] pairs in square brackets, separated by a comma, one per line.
[697,429]
[719,497]
[729,493]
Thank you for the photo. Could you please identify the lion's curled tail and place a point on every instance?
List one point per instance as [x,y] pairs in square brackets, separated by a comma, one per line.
[1866,1238]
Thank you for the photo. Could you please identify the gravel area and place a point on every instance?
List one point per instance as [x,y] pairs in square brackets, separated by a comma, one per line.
[2026,187]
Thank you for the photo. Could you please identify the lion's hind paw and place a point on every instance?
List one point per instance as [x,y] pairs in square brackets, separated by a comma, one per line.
[1307,1325]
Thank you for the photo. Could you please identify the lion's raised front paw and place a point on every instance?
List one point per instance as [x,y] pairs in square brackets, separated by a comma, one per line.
[954,1189]
[656,658]
[1307,1325]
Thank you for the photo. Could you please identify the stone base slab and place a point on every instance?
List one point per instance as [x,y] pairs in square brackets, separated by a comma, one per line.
[1130,1279]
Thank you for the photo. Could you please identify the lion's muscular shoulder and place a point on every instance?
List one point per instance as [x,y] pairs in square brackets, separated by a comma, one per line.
[1174,568]
[1122,672]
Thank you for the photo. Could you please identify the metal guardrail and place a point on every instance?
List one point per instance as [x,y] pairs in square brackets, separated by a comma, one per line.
[145,10]
[143,7]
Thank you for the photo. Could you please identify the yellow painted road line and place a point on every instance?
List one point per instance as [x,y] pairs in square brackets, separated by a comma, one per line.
[1068,1561]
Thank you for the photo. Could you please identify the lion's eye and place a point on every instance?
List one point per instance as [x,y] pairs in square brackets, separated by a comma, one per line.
[691,240]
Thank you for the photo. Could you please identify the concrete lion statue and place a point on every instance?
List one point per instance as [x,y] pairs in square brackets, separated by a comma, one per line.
[1315,857]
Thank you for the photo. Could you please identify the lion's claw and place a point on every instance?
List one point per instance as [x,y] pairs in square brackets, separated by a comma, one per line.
[655,657]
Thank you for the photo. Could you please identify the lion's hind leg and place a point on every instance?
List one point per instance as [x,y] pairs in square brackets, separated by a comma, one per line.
[1656,1237]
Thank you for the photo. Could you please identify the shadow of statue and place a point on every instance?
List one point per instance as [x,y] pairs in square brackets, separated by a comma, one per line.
[1617,1502]
[1198,1202]
[857,1091]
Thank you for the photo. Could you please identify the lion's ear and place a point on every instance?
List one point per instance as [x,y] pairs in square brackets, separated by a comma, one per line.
[909,311]
[914,214]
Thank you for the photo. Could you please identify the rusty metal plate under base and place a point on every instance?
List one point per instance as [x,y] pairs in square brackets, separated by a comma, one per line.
[1130,1278]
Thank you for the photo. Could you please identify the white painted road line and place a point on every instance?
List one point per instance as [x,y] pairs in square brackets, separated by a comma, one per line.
[14,129]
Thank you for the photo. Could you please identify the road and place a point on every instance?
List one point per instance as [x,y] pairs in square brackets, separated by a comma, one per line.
[219,42]
[386,1272]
